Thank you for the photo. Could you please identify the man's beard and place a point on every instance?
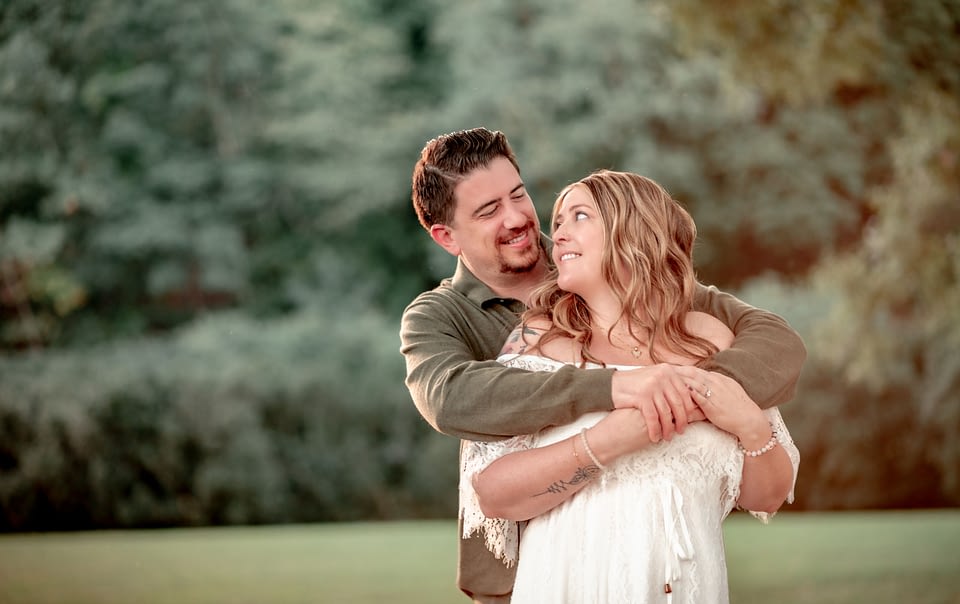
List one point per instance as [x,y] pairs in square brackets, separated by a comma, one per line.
[524,266]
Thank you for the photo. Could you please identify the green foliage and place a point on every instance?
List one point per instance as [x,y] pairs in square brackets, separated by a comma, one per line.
[167,159]
[896,326]
[231,421]
[890,334]
[581,86]
[124,123]
[234,178]
[858,440]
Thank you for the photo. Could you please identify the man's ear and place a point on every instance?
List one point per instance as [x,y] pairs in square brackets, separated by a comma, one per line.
[444,238]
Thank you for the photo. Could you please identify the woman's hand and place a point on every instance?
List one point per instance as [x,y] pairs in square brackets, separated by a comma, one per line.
[726,405]
[661,394]
[625,431]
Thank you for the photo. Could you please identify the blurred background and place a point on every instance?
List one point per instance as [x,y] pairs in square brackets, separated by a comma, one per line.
[206,237]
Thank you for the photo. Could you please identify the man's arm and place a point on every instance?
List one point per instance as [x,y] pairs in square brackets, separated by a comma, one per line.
[461,391]
[766,356]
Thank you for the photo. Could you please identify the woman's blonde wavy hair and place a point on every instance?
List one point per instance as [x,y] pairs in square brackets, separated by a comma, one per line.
[647,260]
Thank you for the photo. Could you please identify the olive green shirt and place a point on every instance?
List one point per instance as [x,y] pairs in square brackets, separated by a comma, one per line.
[451,335]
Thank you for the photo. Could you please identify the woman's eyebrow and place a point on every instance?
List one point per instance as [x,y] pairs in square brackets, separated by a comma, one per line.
[573,208]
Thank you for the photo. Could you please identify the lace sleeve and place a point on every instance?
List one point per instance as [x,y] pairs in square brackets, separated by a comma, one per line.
[786,441]
[502,536]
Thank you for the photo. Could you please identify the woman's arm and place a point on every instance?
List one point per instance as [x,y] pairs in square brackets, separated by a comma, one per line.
[767,475]
[524,484]
[768,472]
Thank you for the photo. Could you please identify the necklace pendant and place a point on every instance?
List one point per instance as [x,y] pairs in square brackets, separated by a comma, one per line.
[635,351]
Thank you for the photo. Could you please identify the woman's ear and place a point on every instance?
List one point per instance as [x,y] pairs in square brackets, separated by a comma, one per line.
[441,234]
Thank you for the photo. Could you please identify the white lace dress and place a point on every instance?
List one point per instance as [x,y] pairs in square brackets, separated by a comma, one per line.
[653,519]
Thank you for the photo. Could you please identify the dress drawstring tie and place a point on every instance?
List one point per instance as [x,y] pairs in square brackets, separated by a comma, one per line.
[678,537]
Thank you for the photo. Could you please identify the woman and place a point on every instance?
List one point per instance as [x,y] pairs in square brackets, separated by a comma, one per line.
[650,529]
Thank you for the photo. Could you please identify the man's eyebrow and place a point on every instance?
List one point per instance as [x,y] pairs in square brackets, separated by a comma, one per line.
[483,208]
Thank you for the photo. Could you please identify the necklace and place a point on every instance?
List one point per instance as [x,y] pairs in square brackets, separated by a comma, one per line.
[627,342]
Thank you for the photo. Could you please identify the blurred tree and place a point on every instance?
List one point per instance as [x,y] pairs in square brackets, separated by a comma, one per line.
[342,141]
[166,159]
[129,130]
[895,325]
[581,86]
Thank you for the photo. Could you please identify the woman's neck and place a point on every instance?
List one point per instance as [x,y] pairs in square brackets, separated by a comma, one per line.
[606,316]
[615,340]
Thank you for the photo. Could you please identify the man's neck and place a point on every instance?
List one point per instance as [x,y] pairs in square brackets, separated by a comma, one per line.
[518,286]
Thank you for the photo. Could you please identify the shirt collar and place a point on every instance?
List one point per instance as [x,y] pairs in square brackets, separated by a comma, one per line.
[465,282]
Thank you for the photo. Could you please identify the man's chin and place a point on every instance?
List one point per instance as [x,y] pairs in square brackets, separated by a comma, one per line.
[517,270]
[519,266]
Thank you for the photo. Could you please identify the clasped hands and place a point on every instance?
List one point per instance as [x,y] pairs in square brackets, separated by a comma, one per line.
[662,400]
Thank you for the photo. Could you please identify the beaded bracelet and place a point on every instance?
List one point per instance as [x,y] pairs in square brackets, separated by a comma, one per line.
[586,447]
[767,447]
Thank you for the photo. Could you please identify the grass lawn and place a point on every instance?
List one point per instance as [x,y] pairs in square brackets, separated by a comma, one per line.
[889,557]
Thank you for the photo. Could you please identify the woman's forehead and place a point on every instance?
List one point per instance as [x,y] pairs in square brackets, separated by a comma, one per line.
[575,194]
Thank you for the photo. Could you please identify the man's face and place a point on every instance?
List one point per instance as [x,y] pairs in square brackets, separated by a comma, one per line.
[495,228]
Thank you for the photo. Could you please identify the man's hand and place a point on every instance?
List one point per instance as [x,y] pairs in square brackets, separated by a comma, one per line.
[662,394]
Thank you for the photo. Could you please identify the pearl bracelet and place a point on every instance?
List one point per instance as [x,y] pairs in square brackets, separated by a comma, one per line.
[586,447]
[767,447]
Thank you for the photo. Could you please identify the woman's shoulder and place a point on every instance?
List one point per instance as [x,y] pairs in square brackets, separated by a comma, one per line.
[709,328]
[526,336]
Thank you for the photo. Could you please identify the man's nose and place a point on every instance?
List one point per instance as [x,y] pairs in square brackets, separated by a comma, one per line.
[515,217]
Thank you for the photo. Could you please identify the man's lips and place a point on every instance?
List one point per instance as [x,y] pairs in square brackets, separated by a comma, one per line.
[518,239]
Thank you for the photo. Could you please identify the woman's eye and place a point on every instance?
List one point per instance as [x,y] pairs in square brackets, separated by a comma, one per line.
[580,216]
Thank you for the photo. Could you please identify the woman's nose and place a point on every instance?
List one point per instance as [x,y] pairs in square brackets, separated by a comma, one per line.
[559,234]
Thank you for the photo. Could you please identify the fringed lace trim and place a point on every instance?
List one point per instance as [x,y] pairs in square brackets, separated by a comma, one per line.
[502,536]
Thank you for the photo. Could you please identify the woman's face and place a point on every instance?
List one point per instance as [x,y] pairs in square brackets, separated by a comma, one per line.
[578,239]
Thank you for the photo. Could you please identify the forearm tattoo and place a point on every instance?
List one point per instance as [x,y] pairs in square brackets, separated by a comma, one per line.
[582,475]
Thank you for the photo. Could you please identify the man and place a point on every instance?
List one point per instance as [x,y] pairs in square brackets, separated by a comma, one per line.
[468,194]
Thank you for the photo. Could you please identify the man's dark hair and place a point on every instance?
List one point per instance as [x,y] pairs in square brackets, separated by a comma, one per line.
[446,161]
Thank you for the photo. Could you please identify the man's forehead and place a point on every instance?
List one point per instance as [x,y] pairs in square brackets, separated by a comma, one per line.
[496,180]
